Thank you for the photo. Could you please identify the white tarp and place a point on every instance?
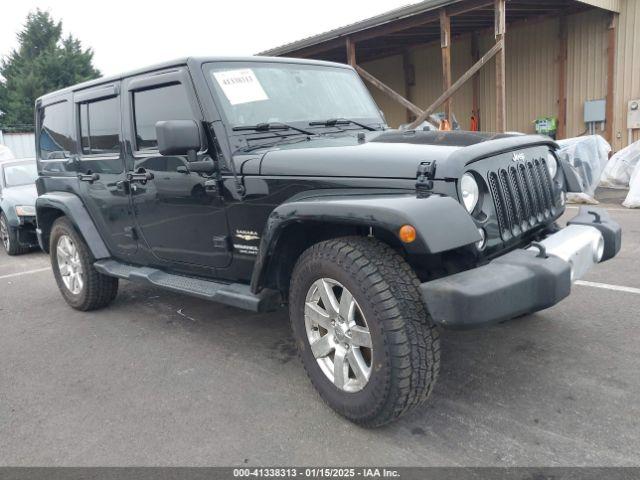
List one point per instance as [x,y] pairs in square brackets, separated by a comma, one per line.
[588,156]
[617,173]
[633,198]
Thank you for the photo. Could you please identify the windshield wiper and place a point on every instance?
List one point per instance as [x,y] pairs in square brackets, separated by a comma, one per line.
[332,122]
[271,126]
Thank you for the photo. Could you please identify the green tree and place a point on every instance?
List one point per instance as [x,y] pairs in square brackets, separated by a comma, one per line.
[43,61]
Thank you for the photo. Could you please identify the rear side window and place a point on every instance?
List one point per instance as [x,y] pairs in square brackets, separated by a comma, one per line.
[100,127]
[56,138]
[151,106]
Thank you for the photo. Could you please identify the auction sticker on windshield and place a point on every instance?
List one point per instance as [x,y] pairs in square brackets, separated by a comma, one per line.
[241,86]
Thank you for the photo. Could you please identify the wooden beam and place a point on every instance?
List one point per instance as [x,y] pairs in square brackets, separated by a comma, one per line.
[445,46]
[351,52]
[501,90]
[475,55]
[611,69]
[562,78]
[459,83]
[388,90]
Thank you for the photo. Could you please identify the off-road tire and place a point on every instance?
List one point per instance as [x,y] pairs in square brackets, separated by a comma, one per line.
[14,247]
[406,350]
[99,290]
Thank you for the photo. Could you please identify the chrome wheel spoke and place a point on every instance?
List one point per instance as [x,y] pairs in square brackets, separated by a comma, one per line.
[79,281]
[322,347]
[62,255]
[359,367]
[361,337]
[347,305]
[340,368]
[329,299]
[318,315]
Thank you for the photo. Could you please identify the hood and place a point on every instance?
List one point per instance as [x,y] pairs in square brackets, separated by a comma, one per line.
[390,154]
[22,195]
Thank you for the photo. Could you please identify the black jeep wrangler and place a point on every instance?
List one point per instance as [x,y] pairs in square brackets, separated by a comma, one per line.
[257,182]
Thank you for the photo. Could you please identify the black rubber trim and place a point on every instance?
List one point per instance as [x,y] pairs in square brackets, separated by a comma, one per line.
[515,284]
[599,218]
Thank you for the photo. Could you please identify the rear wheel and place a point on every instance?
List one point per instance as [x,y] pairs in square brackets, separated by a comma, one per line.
[362,331]
[81,285]
[9,238]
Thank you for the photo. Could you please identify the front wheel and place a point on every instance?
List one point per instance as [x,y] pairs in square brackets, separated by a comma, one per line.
[362,331]
[81,285]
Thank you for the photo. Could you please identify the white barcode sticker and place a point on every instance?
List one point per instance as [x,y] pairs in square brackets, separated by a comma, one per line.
[241,86]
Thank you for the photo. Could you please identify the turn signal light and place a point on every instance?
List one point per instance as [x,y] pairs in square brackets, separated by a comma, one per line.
[407,234]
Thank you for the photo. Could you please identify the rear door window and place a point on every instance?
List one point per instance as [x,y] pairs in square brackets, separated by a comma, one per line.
[100,127]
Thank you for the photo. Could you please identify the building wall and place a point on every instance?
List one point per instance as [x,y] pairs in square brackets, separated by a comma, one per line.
[627,86]
[390,71]
[587,65]
[532,52]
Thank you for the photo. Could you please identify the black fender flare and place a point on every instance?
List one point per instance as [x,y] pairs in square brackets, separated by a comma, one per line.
[72,207]
[441,223]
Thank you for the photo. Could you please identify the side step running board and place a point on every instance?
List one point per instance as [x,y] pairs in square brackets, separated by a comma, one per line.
[233,294]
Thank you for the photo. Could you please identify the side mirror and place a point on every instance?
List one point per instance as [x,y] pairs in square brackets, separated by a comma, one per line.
[179,137]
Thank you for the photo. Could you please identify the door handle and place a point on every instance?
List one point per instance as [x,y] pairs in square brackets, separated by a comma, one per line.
[89,177]
[140,176]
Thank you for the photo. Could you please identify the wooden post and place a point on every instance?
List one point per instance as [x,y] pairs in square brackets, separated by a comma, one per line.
[409,81]
[445,45]
[458,84]
[562,79]
[611,68]
[351,52]
[475,55]
[501,89]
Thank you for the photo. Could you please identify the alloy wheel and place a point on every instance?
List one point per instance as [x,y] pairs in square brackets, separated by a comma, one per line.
[69,265]
[338,334]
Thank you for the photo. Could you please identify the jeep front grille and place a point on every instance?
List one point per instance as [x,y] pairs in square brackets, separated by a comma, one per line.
[523,196]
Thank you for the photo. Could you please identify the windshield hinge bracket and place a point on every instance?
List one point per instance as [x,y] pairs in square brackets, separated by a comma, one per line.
[426,174]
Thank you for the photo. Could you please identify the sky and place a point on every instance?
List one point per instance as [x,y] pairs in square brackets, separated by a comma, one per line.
[130,34]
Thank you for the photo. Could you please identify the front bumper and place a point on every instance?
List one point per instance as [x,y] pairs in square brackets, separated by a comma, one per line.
[527,280]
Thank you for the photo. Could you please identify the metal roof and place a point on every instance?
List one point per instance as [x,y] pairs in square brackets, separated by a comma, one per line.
[533,7]
[390,16]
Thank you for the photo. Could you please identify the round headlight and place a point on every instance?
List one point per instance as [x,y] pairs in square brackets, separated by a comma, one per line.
[552,164]
[470,192]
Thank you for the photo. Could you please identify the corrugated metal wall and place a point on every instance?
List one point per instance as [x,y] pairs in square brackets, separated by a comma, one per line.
[532,76]
[627,68]
[532,73]
[427,61]
[390,71]
[587,65]
[22,145]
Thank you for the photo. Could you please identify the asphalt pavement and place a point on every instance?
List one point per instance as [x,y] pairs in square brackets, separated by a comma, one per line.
[165,379]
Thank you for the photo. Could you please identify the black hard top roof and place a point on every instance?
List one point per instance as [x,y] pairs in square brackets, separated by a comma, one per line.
[194,61]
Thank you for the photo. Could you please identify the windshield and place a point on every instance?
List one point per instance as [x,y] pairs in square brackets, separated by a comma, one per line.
[16,175]
[256,93]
